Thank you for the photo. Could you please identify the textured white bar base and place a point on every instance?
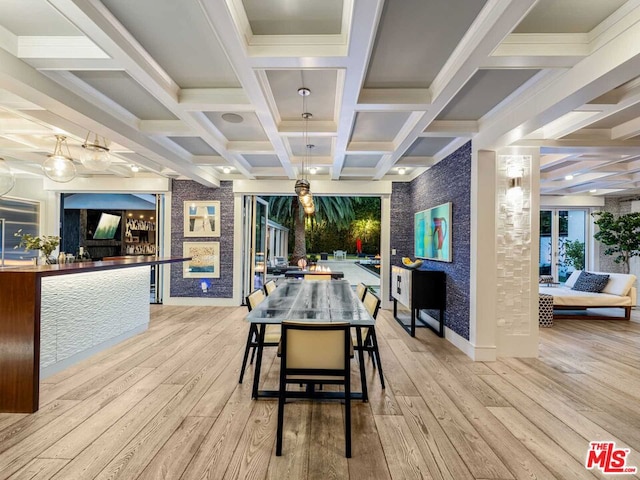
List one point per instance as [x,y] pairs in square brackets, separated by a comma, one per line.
[84,313]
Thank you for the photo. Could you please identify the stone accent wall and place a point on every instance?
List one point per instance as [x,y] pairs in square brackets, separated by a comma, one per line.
[514,246]
[447,181]
[187,190]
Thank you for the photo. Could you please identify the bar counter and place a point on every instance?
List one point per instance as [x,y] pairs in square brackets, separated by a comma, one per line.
[52,316]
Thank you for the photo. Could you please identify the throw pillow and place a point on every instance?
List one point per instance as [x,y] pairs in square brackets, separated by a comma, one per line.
[590,282]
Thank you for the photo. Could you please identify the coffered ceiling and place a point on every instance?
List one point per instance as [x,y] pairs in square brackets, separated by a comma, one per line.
[207,89]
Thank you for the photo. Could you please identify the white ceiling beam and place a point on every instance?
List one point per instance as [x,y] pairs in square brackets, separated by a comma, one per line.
[584,145]
[366,16]
[495,21]
[167,128]
[317,128]
[99,24]
[72,113]
[393,99]
[214,100]
[450,128]
[417,161]
[613,64]
[532,62]
[626,130]
[221,19]
[58,47]
[369,148]
[71,64]
[544,45]
[254,148]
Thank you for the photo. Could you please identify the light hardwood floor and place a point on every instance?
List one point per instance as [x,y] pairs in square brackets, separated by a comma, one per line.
[166,404]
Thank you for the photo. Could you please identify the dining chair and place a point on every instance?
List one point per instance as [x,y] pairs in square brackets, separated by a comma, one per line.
[312,276]
[369,339]
[271,334]
[269,287]
[314,354]
[361,290]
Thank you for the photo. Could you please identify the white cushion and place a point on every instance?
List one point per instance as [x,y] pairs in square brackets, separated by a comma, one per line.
[619,284]
[564,296]
[571,281]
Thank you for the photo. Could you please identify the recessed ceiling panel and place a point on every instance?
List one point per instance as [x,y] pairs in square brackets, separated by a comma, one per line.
[41,20]
[415,39]
[299,17]
[179,38]
[322,146]
[361,161]
[378,126]
[485,90]
[247,129]
[321,103]
[194,145]
[427,146]
[567,16]
[263,160]
[125,91]
[618,118]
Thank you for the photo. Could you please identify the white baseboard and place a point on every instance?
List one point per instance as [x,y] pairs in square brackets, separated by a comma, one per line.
[477,354]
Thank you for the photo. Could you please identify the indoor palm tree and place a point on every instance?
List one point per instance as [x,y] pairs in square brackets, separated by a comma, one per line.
[334,210]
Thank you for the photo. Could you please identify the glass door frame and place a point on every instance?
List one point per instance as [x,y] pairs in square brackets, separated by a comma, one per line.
[555,237]
[249,250]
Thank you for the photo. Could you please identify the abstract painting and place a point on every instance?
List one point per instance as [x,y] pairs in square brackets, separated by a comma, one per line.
[433,233]
[201,219]
[205,259]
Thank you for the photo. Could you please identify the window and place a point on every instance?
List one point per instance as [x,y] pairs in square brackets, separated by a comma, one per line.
[18,214]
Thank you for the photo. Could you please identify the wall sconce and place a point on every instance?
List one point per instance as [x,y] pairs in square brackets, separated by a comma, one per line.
[515,182]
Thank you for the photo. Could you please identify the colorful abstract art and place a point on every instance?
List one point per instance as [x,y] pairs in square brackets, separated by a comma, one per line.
[432,231]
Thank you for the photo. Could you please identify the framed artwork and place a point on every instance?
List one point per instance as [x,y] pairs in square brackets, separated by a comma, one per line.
[205,261]
[432,233]
[202,219]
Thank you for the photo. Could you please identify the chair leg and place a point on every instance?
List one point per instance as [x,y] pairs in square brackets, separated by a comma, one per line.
[374,341]
[253,355]
[280,428]
[246,352]
[347,416]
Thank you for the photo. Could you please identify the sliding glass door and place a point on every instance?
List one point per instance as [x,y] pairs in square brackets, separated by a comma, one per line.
[563,242]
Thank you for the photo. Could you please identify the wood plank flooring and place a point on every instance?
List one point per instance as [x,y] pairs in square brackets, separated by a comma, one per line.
[166,405]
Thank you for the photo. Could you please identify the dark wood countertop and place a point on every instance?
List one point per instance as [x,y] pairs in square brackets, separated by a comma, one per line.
[79,267]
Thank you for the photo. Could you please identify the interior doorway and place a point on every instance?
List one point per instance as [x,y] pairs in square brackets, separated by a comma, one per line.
[563,242]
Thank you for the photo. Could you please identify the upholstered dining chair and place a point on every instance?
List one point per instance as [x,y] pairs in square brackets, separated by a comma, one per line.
[369,339]
[271,334]
[314,354]
[361,290]
[269,287]
[313,276]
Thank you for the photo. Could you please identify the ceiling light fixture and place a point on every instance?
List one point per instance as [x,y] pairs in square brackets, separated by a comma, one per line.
[95,156]
[232,118]
[402,171]
[568,177]
[7,178]
[226,170]
[303,187]
[593,190]
[313,170]
[60,167]
[135,168]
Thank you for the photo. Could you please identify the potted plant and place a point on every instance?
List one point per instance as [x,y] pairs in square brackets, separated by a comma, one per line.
[574,254]
[44,243]
[621,234]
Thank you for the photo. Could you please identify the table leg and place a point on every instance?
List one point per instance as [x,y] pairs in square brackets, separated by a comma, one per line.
[413,322]
[256,372]
[363,377]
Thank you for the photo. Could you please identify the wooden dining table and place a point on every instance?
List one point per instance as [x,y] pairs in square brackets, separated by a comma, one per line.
[310,301]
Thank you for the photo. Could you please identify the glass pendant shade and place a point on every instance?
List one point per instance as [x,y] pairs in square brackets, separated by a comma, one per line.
[302,187]
[94,155]
[7,179]
[59,167]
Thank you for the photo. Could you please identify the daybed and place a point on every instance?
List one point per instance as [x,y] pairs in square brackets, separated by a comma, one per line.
[619,292]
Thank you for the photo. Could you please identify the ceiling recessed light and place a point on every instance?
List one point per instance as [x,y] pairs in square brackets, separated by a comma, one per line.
[313,170]
[402,171]
[226,170]
[568,177]
[232,118]
[135,168]
[593,190]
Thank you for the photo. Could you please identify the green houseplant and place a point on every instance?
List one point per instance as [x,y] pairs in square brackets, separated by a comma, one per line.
[574,254]
[620,234]
[45,243]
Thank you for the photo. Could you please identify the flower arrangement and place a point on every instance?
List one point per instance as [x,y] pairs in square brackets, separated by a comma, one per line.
[46,243]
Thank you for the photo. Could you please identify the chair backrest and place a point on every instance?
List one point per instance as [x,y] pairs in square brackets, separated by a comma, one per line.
[371,303]
[361,290]
[269,287]
[314,347]
[313,276]
[254,299]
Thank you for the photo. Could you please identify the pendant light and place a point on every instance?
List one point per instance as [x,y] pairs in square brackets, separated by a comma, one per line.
[59,167]
[7,178]
[95,156]
[303,187]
